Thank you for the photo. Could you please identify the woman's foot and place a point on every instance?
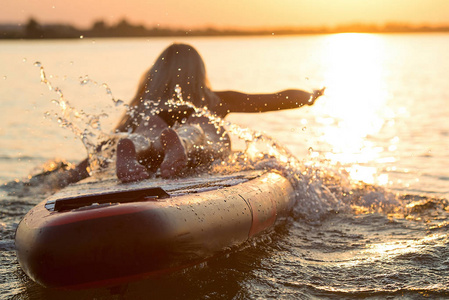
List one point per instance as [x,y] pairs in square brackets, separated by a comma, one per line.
[127,167]
[175,158]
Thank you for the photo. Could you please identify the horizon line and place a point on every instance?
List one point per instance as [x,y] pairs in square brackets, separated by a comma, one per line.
[34,30]
[230,27]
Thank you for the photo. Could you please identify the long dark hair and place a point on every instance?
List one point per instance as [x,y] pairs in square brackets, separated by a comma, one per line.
[179,64]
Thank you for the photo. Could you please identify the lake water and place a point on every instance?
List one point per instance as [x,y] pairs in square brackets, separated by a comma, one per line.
[371,158]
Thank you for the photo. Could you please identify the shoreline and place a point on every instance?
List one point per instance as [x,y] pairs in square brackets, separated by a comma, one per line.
[33,30]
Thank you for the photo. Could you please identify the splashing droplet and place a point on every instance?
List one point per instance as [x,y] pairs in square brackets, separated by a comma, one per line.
[119,102]
[178,92]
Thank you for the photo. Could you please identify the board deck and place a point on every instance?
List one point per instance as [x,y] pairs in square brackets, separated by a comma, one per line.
[98,191]
[98,233]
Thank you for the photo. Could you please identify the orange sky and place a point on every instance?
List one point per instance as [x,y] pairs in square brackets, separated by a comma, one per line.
[227,13]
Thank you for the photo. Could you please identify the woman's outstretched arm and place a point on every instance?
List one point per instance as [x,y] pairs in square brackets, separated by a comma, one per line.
[233,101]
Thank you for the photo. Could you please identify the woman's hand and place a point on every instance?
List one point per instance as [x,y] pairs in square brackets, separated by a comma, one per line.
[315,95]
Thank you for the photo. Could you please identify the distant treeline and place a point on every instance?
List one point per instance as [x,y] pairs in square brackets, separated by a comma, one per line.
[33,30]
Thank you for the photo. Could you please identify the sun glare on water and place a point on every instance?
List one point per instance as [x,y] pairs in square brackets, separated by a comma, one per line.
[357,104]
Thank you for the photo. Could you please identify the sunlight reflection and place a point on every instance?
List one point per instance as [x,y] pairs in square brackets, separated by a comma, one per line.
[356,106]
[392,249]
[389,251]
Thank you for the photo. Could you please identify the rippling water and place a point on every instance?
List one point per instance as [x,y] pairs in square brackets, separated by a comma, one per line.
[370,167]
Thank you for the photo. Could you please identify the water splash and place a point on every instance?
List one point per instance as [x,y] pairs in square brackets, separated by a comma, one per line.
[85,80]
[321,188]
[86,127]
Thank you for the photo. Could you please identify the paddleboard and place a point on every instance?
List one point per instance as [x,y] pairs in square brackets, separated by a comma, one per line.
[104,233]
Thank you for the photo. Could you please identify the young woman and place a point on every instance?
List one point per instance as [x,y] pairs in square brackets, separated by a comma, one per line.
[172,137]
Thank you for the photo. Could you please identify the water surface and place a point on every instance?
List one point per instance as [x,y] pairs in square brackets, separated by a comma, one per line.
[372,175]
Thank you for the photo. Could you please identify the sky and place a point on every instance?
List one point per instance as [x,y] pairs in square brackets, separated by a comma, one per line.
[234,14]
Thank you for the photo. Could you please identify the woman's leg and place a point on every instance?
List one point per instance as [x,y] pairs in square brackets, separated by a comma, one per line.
[73,175]
[180,146]
[150,152]
[127,167]
[193,144]
[141,150]
[217,144]
[130,163]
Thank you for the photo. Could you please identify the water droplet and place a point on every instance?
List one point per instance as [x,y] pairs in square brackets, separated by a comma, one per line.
[178,92]
[24,59]
[118,102]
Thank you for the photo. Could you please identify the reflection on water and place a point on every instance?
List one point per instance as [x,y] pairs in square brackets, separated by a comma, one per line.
[382,115]
[357,103]
[392,249]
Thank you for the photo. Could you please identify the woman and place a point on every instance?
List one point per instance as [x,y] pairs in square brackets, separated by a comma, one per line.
[173,138]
